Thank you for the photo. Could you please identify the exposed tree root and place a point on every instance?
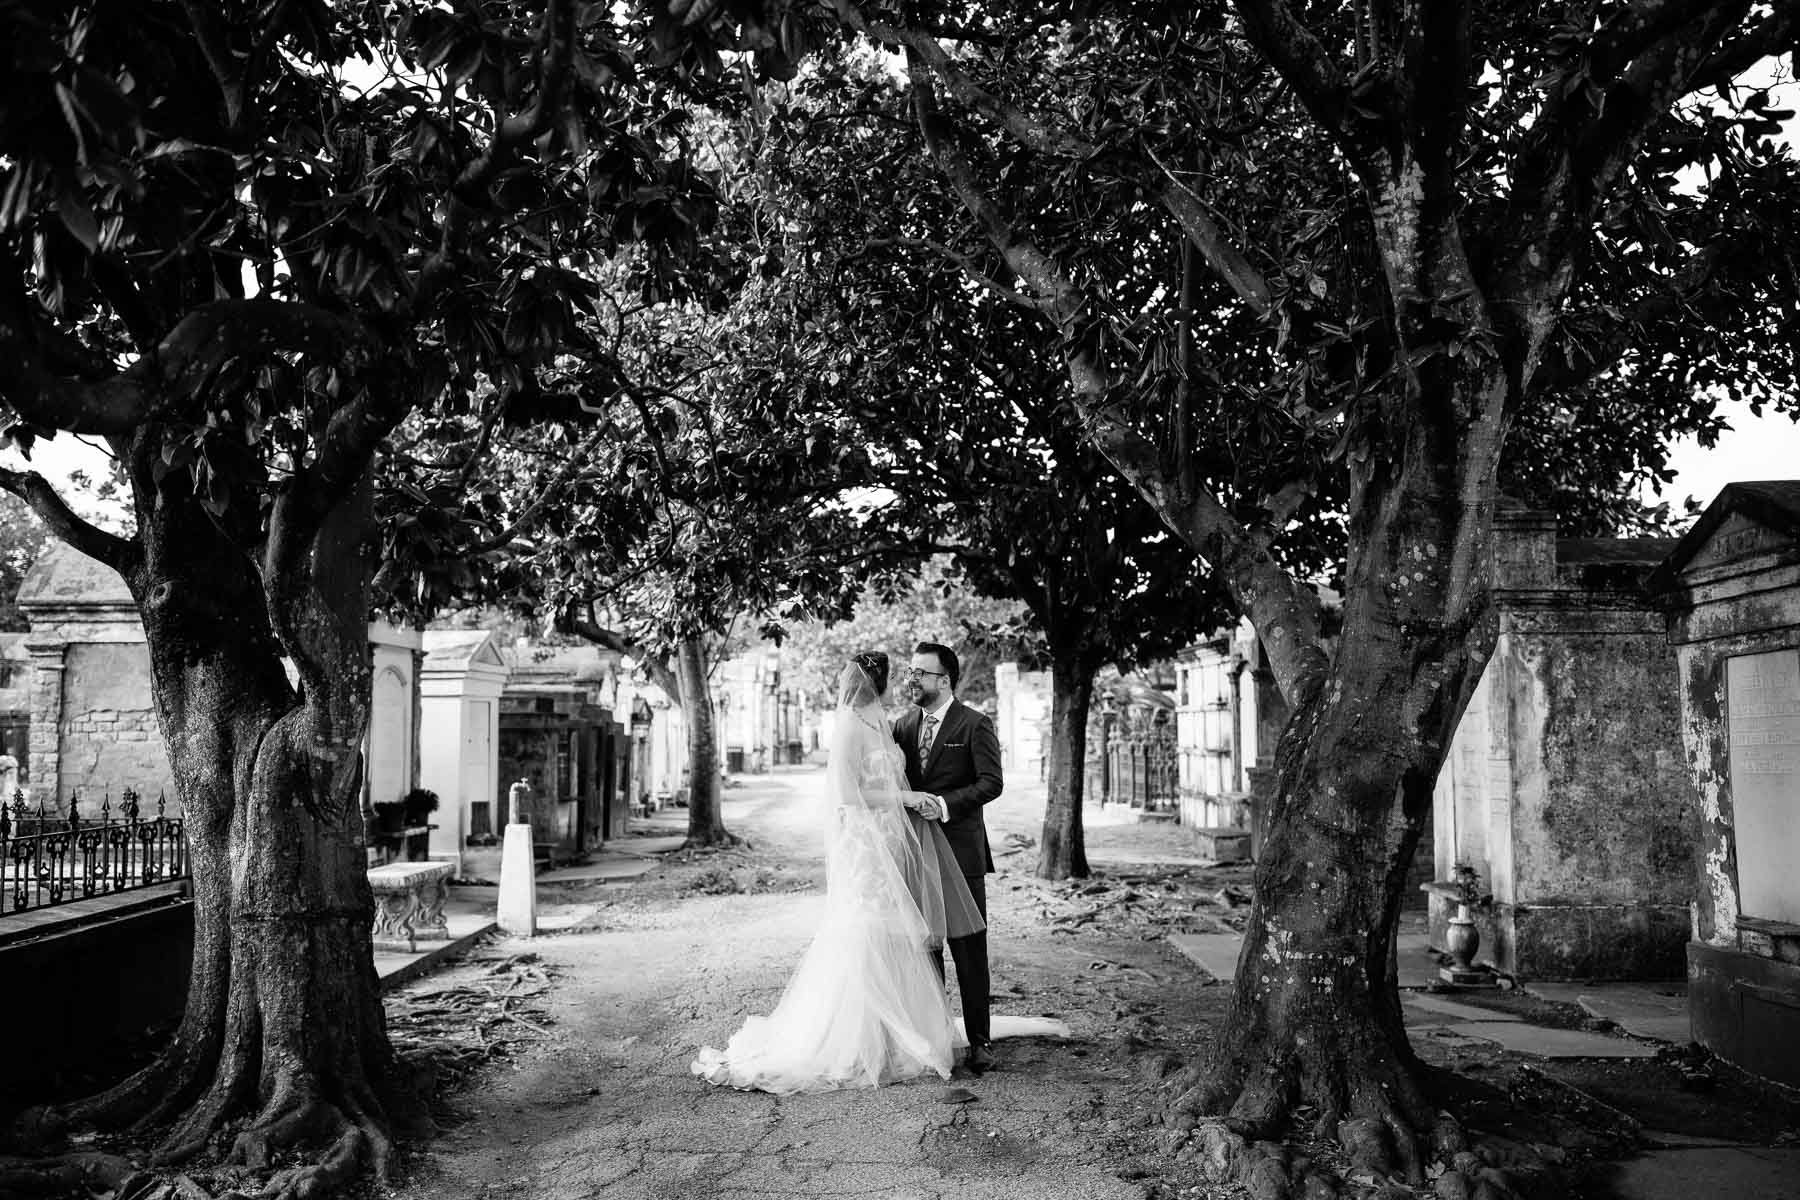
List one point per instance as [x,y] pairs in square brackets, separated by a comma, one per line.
[1368,1101]
[722,840]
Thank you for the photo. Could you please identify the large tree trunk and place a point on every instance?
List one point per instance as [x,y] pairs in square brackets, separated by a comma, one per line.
[1315,1016]
[283,1044]
[706,821]
[1062,854]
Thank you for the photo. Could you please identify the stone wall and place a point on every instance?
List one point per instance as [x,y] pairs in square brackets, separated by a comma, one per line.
[110,736]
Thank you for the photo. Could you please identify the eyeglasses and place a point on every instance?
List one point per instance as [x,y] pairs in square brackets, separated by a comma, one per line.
[939,674]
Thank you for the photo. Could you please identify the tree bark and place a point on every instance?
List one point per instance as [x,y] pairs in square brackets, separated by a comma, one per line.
[283,1044]
[706,822]
[1062,852]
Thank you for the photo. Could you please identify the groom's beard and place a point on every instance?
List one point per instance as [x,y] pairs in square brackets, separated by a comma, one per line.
[927,700]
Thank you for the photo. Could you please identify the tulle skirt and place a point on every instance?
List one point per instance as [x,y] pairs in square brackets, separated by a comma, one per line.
[865,1007]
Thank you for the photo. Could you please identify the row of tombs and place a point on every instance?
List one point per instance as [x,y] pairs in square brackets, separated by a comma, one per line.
[1625,782]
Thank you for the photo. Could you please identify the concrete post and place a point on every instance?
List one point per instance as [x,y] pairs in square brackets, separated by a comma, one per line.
[518,878]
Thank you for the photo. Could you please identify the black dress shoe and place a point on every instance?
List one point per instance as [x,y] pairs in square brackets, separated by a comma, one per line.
[981,1059]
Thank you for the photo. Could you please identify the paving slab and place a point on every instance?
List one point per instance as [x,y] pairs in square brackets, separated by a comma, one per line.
[1214,953]
[1657,1011]
[1752,1173]
[621,868]
[1415,964]
[1552,1043]
[1557,993]
[1425,1009]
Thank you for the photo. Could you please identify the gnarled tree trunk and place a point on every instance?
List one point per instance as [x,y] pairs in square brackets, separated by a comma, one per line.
[706,820]
[283,1043]
[1062,854]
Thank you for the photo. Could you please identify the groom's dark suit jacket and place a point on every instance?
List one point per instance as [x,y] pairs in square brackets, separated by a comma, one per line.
[964,768]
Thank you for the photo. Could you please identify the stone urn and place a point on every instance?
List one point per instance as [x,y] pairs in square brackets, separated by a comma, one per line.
[1462,939]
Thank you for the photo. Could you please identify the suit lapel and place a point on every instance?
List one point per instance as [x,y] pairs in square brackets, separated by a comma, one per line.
[937,741]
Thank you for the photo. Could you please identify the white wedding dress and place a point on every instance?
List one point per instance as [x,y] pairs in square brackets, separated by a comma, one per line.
[865,1006]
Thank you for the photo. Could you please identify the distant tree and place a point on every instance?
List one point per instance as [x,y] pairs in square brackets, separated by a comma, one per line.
[957,392]
[22,539]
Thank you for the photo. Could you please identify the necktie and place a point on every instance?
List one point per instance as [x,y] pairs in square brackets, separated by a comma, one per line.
[926,731]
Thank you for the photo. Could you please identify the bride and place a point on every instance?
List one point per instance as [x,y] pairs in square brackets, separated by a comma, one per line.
[866,1006]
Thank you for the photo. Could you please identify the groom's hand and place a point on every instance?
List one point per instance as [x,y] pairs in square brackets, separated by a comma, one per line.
[930,807]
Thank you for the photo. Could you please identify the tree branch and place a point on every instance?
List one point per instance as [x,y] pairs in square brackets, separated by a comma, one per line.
[1774,34]
[588,627]
[214,333]
[469,193]
[967,266]
[1031,131]
[545,498]
[1634,28]
[213,38]
[1226,260]
[1300,58]
[1283,610]
[116,552]
[109,407]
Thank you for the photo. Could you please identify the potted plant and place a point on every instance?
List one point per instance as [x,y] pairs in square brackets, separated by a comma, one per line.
[390,818]
[418,805]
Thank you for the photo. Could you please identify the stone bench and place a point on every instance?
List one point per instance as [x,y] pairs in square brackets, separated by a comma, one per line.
[409,903]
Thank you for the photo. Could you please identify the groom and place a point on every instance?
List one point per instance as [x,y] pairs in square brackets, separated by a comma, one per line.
[953,754]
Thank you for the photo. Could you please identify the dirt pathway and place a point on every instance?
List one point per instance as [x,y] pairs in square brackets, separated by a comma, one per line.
[603,1104]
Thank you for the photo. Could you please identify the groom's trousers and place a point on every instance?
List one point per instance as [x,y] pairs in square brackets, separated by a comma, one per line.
[971,958]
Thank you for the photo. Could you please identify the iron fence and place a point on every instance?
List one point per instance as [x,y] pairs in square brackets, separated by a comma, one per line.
[1143,767]
[49,857]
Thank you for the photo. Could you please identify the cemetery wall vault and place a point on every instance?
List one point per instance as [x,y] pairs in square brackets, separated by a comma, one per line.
[1732,593]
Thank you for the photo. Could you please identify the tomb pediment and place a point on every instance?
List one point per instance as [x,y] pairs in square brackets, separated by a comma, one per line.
[1744,521]
[459,651]
[64,577]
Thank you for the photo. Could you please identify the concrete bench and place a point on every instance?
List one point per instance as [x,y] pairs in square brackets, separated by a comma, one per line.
[409,903]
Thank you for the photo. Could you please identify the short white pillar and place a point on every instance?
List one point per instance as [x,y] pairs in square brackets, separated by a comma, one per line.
[518,871]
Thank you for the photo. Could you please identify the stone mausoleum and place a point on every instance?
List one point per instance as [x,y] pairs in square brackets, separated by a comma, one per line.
[1563,786]
[556,733]
[93,722]
[460,686]
[1732,591]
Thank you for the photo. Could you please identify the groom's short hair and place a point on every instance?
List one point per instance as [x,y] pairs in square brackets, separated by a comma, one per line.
[946,658]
